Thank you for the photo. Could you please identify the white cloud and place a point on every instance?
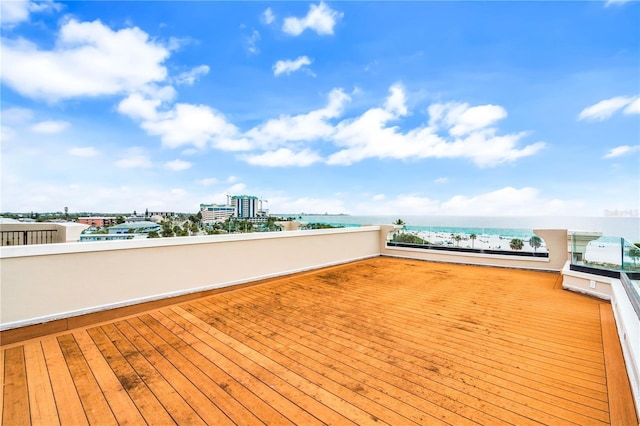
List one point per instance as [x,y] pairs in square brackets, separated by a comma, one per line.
[288,66]
[619,151]
[606,108]
[378,197]
[134,158]
[89,59]
[251,42]
[16,115]
[509,201]
[138,107]
[184,124]
[506,201]
[370,136]
[300,128]
[6,133]
[284,157]
[267,16]
[441,180]
[236,188]
[196,125]
[633,107]
[190,77]
[461,119]
[455,130]
[207,181]
[44,6]
[396,102]
[177,165]
[84,151]
[232,179]
[50,127]
[320,18]
[13,12]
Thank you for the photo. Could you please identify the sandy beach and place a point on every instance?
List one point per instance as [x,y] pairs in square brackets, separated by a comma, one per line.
[482,241]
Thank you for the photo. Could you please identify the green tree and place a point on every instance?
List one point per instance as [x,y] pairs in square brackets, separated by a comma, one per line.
[119,220]
[247,226]
[194,228]
[153,234]
[399,222]
[634,253]
[167,230]
[535,242]
[516,244]
[473,237]
[409,239]
[457,238]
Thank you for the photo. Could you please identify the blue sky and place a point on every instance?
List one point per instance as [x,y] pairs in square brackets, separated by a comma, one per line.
[398,108]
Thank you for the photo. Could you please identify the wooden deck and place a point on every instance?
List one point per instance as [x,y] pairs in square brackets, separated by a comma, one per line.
[381,341]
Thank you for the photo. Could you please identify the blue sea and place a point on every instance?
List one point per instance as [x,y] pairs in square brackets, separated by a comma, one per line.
[522,226]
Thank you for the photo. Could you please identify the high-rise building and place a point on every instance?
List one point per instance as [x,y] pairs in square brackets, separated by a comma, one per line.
[246,206]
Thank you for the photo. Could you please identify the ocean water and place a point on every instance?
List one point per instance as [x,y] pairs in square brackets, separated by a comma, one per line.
[521,226]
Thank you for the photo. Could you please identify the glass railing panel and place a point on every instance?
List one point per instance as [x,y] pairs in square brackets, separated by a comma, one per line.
[631,257]
[604,252]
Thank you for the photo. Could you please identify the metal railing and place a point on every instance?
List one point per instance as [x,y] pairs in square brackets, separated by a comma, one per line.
[23,238]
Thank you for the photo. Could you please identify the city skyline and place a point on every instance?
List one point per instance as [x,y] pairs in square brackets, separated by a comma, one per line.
[427,108]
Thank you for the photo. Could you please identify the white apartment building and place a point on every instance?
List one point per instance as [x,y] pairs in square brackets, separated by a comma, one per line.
[216,212]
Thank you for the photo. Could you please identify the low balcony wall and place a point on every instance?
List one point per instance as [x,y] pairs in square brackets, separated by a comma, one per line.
[44,283]
[628,323]
[555,240]
[65,232]
[48,282]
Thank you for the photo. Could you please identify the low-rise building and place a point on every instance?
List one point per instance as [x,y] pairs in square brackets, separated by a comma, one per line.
[98,221]
[135,228]
[216,212]
[109,237]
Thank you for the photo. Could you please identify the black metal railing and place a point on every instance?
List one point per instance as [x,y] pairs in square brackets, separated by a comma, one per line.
[23,238]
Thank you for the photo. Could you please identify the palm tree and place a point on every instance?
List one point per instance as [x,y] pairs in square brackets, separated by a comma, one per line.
[398,222]
[473,237]
[535,242]
[516,244]
[458,238]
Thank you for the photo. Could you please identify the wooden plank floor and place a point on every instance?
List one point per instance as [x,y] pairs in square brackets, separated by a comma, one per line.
[380,341]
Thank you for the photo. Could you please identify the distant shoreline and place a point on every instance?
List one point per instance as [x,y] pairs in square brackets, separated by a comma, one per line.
[627,227]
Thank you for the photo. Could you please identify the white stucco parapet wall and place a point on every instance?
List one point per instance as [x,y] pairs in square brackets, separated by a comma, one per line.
[48,282]
[580,282]
[95,246]
[42,283]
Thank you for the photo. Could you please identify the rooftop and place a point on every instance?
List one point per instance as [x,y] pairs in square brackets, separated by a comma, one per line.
[381,340]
